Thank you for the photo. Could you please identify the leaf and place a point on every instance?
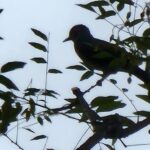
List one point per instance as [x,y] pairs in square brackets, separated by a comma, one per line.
[48,119]
[135,22]
[39,34]
[146,33]
[39,137]
[113,81]
[109,146]
[142,113]
[31,91]
[50,93]
[144,97]
[29,130]
[40,120]
[1,10]
[107,103]
[129,80]
[120,6]
[32,106]
[86,75]
[124,90]
[106,14]
[128,15]
[12,66]
[7,83]
[39,60]
[77,67]
[38,46]
[88,7]
[54,71]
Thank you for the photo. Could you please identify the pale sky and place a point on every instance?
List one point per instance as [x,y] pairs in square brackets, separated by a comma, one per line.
[56,18]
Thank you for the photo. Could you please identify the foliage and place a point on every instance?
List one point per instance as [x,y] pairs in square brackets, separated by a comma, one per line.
[27,105]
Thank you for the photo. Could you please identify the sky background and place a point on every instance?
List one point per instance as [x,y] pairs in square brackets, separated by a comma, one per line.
[56,18]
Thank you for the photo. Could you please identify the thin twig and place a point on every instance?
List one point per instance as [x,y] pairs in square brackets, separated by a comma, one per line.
[13,141]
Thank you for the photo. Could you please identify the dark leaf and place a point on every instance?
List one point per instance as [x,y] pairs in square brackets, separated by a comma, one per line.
[39,33]
[144,97]
[129,80]
[107,103]
[106,14]
[7,83]
[113,81]
[40,120]
[124,90]
[32,106]
[120,6]
[50,93]
[146,33]
[31,91]
[109,146]
[134,22]
[12,66]
[39,137]
[86,6]
[1,10]
[29,130]
[142,113]
[38,46]
[128,15]
[54,71]
[39,60]
[48,119]
[86,75]
[77,67]
[27,115]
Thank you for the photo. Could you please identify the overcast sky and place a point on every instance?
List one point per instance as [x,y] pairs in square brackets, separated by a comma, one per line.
[56,18]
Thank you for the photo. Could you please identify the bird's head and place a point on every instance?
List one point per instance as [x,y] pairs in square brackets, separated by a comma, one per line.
[78,32]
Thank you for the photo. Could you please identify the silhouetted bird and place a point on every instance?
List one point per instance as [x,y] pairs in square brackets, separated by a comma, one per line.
[102,55]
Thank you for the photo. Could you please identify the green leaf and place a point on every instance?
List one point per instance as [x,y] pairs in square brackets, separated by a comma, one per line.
[7,83]
[144,97]
[32,106]
[142,113]
[39,34]
[77,67]
[86,75]
[12,66]
[86,6]
[106,14]
[39,60]
[146,33]
[38,46]
[107,103]
[109,146]
[40,120]
[48,119]
[54,71]
[120,6]
[39,137]
[135,22]
[31,91]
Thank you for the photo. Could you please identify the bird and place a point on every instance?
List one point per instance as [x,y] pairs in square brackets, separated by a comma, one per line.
[104,56]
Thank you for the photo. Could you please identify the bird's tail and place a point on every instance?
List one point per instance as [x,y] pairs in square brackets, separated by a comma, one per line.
[142,75]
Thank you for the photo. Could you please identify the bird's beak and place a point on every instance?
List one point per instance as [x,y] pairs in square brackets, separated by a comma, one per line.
[67,39]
